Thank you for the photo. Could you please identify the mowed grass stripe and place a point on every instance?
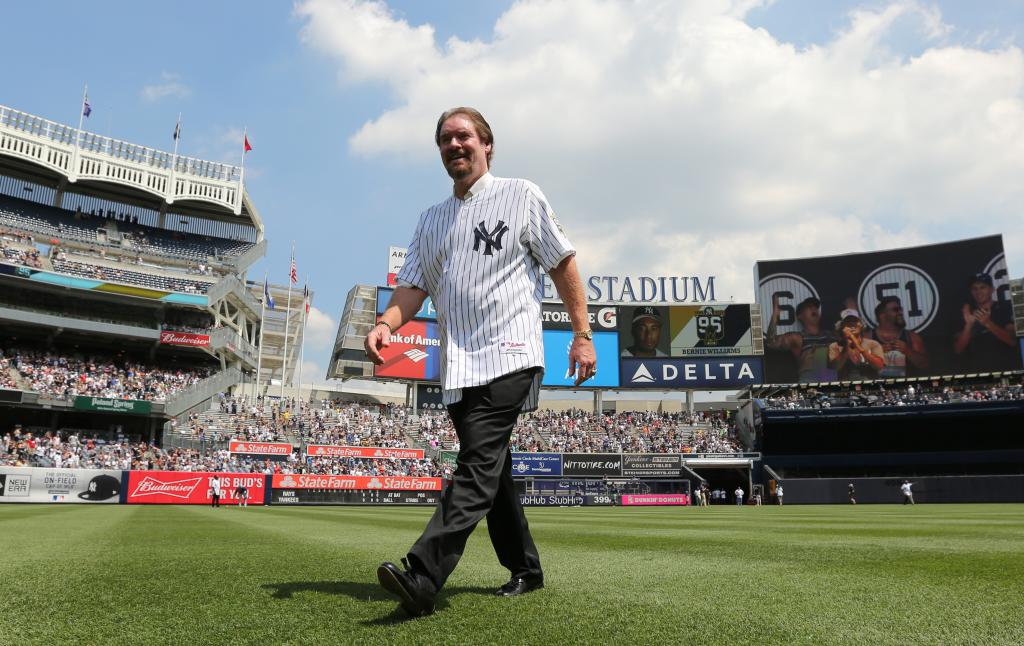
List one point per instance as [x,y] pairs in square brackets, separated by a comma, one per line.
[724,575]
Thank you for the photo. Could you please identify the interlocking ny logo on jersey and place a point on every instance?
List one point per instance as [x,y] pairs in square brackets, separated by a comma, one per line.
[491,239]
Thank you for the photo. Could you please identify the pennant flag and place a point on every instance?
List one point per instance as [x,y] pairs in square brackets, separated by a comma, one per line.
[245,146]
[266,295]
[177,130]
[86,108]
[294,274]
[305,297]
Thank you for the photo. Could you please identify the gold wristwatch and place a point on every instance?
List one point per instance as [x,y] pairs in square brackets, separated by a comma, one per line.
[584,334]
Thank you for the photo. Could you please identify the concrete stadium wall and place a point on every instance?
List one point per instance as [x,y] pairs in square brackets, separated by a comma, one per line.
[929,489]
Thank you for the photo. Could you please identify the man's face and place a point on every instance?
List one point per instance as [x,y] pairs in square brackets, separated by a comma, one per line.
[646,334]
[809,315]
[462,152]
[892,314]
[981,292]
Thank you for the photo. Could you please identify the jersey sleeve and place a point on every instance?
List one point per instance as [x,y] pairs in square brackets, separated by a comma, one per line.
[411,273]
[544,235]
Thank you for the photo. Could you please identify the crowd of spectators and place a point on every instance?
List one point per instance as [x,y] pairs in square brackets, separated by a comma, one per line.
[6,379]
[919,394]
[65,376]
[115,274]
[15,256]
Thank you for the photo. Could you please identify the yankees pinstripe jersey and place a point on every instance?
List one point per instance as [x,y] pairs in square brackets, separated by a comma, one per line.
[481,260]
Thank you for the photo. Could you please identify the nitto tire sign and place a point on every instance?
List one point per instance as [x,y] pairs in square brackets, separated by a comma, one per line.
[592,464]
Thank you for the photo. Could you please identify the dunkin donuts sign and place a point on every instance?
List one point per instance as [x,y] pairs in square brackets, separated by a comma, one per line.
[187,488]
[169,337]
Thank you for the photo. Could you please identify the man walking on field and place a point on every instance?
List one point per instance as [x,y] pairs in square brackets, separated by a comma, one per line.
[480,256]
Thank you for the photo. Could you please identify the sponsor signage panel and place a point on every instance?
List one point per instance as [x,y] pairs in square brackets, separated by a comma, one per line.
[536,464]
[38,484]
[396,260]
[346,497]
[10,396]
[426,311]
[551,500]
[914,303]
[414,353]
[651,464]
[107,405]
[390,483]
[603,318]
[170,337]
[650,499]
[556,360]
[372,452]
[592,464]
[191,488]
[269,449]
[729,372]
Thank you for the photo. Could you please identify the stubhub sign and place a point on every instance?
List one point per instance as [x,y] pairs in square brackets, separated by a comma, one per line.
[729,372]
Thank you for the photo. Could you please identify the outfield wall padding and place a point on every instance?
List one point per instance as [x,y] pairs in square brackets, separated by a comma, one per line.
[929,489]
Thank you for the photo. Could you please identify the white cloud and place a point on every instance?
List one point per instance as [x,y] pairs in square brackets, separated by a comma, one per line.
[313,373]
[170,85]
[320,330]
[679,125]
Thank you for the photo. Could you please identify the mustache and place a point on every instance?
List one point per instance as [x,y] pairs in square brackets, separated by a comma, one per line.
[457,155]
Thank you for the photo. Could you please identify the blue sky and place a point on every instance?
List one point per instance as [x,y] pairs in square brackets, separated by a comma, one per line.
[332,171]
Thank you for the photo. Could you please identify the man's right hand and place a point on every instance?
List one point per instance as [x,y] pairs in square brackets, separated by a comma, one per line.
[378,339]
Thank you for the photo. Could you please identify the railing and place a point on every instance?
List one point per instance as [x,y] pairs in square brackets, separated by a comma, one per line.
[232,285]
[245,260]
[202,391]
[227,338]
[86,155]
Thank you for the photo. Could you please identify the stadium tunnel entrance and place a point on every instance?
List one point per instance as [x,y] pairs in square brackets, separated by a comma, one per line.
[724,479]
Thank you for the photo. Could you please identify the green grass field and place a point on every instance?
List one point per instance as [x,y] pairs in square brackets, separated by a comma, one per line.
[814,575]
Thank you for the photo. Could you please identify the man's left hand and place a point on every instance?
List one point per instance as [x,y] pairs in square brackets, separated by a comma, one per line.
[582,359]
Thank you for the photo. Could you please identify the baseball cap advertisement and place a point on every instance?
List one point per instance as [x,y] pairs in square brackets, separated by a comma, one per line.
[40,484]
[932,310]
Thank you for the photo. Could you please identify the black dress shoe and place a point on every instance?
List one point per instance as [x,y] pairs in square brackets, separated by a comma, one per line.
[517,586]
[412,592]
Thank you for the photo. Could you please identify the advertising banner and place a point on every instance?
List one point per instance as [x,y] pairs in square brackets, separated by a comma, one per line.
[170,337]
[536,464]
[391,483]
[599,499]
[642,465]
[191,488]
[732,372]
[39,484]
[556,360]
[396,259]
[649,499]
[603,318]
[592,464]
[551,500]
[371,452]
[107,405]
[426,311]
[414,353]
[263,449]
[931,310]
[346,497]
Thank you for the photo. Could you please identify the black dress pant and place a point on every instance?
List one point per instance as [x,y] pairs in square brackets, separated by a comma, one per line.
[482,486]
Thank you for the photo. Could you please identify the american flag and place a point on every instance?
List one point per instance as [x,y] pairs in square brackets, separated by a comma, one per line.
[294,273]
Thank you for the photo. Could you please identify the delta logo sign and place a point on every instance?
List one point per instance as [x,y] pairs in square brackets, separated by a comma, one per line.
[732,372]
[414,353]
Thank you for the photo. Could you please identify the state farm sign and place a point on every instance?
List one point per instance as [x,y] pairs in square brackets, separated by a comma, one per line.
[184,488]
[372,452]
[260,448]
[169,337]
[390,483]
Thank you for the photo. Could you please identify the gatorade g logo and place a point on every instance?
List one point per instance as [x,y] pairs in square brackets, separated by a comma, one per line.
[491,239]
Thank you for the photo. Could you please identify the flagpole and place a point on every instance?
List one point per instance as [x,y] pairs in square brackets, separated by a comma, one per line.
[241,173]
[177,138]
[302,348]
[287,320]
[81,115]
[259,354]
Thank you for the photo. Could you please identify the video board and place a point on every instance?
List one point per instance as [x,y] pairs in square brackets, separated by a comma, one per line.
[556,360]
[921,311]
[684,330]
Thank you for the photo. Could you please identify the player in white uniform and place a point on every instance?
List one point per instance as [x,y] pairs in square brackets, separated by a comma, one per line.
[480,256]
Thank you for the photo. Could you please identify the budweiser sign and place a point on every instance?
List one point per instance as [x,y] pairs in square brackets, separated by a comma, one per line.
[182,489]
[169,337]
[390,483]
[372,452]
[260,448]
[176,487]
